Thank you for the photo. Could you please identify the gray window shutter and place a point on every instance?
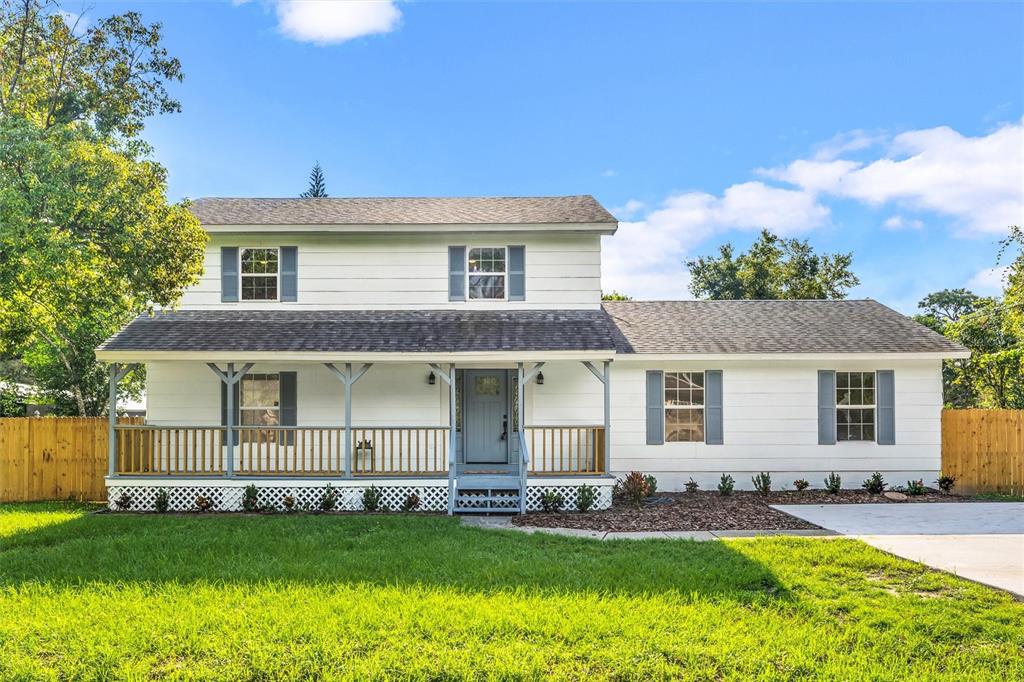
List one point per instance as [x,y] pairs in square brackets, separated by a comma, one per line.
[885,407]
[289,274]
[655,407]
[456,273]
[229,274]
[713,434]
[289,403]
[826,407]
[224,409]
[517,273]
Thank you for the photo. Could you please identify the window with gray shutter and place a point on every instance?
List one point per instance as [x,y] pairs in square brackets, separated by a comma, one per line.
[885,398]
[826,407]
[517,273]
[289,274]
[713,431]
[229,274]
[456,273]
[655,407]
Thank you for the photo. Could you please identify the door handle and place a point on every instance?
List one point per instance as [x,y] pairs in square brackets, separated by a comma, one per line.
[504,427]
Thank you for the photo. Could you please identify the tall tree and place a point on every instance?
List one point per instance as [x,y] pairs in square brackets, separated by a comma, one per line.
[616,296]
[317,185]
[773,268]
[89,239]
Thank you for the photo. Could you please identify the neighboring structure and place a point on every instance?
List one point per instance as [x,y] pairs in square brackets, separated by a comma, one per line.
[457,350]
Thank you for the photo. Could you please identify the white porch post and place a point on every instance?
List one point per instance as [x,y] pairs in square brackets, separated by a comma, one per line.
[452,438]
[605,378]
[347,378]
[112,419]
[229,377]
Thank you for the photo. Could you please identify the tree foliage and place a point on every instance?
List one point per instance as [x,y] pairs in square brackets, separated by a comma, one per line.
[773,268]
[317,184]
[88,238]
[616,296]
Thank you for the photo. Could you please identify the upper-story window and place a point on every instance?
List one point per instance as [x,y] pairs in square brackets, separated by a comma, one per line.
[855,406]
[259,273]
[486,272]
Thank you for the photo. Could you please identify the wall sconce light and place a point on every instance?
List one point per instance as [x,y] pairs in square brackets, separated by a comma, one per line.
[540,378]
[431,379]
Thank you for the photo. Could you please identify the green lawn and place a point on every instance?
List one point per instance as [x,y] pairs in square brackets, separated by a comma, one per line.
[86,596]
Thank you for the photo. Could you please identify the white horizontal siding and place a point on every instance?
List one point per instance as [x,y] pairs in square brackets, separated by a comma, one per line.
[338,271]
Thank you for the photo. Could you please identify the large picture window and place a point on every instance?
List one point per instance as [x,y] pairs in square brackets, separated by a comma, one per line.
[684,407]
[855,406]
[486,272]
[259,274]
[260,400]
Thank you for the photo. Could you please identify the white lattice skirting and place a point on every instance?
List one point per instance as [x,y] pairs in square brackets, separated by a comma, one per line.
[226,496]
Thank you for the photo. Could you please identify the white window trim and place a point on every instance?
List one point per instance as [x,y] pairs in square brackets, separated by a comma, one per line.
[277,289]
[503,273]
[703,406]
[259,408]
[873,407]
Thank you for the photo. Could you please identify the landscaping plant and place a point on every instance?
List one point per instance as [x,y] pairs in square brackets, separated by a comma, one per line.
[250,499]
[801,484]
[762,482]
[328,500]
[833,484]
[946,483]
[634,488]
[550,501]
[916,487]
[652,484]
[371,498]
[874,484]
[726,484]
[411,502]
[162,501]
[204,503]
[123,501]
[586,497]
[691,485]
[289,503]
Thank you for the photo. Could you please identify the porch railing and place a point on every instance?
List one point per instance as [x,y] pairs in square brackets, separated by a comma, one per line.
[571,449]
[281,451]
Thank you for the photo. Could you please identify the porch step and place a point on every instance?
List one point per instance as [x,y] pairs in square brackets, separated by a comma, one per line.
[480,481]
[480,494]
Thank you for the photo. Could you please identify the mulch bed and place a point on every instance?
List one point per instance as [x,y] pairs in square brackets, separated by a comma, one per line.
[707,510]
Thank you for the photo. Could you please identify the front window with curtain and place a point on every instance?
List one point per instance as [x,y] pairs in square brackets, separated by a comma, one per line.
[259,274]
[486,272]
[855,406]
[684,407]
[259,401]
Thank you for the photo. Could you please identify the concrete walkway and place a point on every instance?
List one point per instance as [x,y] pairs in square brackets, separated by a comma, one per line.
[983,542]
[505,523]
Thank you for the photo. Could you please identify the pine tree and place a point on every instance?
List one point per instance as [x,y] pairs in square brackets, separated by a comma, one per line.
[317,185]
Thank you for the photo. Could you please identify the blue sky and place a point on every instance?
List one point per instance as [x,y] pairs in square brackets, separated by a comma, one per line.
[893,131]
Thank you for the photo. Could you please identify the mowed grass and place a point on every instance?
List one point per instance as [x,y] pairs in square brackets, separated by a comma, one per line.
[86,596]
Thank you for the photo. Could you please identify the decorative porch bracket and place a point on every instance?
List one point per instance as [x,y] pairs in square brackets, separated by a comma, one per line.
[449,379]
[347,378]
[115,372]
[229,377]
[606,379]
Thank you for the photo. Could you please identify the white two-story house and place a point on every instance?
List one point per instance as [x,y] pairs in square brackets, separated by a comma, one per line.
[456,352]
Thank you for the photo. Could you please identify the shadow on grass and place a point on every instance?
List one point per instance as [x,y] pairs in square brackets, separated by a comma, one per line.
[382,550]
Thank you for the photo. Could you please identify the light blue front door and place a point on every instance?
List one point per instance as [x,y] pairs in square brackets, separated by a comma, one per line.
[486,417]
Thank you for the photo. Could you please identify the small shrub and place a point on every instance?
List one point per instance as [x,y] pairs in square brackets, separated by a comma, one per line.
[916,487]
[124,501]
[726,484]
[289,503]
[250,499]
[652,484]
[371,498]
[618,492]
[586,497]
[833,483]
[946,483]
[411,502]
[874,484]
[550,501]
[204,503]
[634,488]
[162,501]
[801,484]
[329,499]
[691,486]
[762,482]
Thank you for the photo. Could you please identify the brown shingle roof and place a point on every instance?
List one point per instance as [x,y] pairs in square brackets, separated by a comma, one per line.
[679,327]
[401,211]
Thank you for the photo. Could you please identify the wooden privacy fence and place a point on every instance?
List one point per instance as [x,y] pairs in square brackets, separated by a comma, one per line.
[53,458]
[984,450]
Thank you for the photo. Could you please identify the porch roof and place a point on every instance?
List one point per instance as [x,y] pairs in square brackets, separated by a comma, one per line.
[365,331]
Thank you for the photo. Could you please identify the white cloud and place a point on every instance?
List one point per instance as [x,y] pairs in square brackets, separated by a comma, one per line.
[610,173]
[988,282]
[78,23]
[325,22]
[852,141]
[898,222]
[628,209]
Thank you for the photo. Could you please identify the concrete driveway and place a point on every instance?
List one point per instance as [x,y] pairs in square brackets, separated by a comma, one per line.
[979,541]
